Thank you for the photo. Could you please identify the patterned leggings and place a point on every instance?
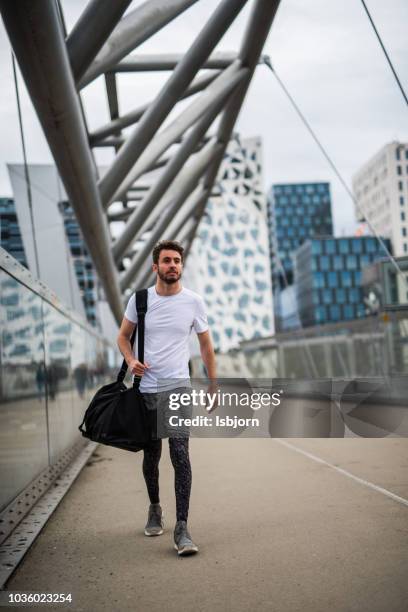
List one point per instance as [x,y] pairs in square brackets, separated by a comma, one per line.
[182,472]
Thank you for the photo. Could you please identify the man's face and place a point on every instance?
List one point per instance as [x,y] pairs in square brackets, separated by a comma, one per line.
[169,268]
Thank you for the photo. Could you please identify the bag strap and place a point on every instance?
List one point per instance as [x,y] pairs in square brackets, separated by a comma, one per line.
[141,309]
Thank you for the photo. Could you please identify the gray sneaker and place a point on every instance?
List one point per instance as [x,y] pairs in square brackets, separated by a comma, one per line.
[182,540]
[154,525]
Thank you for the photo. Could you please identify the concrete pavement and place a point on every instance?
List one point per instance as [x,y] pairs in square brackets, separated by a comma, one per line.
[276,530]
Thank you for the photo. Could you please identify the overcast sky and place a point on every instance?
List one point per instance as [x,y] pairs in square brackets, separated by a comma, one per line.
[326,53]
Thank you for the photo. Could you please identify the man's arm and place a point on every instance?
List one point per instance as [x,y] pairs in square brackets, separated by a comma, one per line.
[123,340]
[207,354]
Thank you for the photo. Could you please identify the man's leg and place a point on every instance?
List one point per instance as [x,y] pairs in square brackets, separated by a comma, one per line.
[182,475]
[180,459]
[151,458]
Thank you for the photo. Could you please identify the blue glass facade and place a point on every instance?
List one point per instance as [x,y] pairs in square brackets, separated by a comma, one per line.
[328,277]
[84,268]
[296,212]
[10,235]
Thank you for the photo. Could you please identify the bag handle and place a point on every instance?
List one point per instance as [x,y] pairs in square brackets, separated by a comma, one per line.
[141,308]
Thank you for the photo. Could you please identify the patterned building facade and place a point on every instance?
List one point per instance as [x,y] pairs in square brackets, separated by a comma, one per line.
[229,261]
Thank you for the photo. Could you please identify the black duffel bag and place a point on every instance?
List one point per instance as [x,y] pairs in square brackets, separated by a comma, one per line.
[117,415]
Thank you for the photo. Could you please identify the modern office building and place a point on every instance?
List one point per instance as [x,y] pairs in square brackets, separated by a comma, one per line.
[84,268]
[328,274]
[229,261]
[381,191]
[296,212]
[10,234]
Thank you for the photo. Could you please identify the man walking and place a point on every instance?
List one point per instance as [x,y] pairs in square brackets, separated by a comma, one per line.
[172,313]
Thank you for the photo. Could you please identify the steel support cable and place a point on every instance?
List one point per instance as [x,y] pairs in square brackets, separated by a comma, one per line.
[268,63]
[27,174]
[394,72]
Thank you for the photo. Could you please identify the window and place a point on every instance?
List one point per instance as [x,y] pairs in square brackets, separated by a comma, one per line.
[334,312]
[399,170]
[318,280]
[316,247]
[324,262]
[332,277]
[340,296]
[402,216]
[400,185]
[397,154]
[401,200]
[320,314]
[338,262]
[406,154]
[356,246]
[405,247]
[346,278]
[371,245]
[330,247]
[404,231]
[351,262]
[364,260]
[343,246]
[348,311]
[327,296]
[354,295]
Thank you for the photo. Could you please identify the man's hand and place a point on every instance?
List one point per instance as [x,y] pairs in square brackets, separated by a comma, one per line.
[137,368]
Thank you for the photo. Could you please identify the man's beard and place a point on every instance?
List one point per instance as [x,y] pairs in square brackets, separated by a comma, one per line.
[169,280]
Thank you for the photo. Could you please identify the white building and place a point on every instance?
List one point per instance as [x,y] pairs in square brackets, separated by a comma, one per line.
[381,190]
[229,261]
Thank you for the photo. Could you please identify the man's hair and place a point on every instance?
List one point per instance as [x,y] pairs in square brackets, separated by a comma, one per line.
[168,245]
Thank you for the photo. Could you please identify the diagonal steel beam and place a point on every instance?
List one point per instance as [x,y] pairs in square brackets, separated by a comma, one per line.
[112,141]
[262,16]
[172,169]
[188,212]
[35,34]
[177,128]
[186,181]
[168,61]
[133,116]
[132,31]
[185,71]
[91,31]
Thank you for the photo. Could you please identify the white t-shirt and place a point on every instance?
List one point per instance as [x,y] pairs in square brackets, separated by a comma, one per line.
[168,324]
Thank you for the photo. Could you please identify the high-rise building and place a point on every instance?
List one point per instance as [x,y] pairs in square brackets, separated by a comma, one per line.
[328,275]
[84,268]
[229,263]
[381,190]
[296,212]
[10,234]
